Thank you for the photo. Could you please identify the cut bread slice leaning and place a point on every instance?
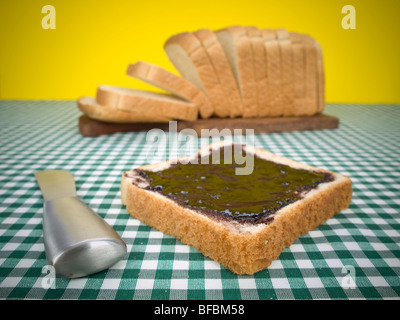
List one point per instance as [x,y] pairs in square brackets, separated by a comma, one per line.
[237,46]
[93,110]
[189,57]
[222,69]
[169,82]
[242,246]
[160,104]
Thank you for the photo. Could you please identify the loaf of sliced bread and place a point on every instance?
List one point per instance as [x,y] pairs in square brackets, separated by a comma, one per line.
[242,221]
[170,82]
[160,104]
[190,58]
[90,107]
[232,72]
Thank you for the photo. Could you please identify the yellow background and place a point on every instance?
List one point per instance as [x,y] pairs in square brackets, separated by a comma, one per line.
[94,41]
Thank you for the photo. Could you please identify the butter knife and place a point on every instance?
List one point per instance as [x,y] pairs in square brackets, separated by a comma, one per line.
[78,242]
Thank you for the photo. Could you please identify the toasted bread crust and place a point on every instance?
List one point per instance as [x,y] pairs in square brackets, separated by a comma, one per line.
[241,247]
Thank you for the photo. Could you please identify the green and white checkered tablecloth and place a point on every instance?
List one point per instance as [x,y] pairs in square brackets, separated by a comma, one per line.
[354,255]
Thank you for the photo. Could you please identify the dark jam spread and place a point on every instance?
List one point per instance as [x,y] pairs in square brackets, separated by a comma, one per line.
[216,190]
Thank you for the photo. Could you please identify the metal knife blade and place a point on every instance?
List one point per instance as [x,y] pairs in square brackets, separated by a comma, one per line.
[56,184]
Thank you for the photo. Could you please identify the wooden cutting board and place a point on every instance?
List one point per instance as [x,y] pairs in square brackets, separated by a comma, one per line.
[92,128]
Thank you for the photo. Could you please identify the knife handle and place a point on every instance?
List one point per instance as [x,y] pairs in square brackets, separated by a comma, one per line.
[78,242]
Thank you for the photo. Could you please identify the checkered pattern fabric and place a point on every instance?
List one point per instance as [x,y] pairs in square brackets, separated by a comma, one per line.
[354,255]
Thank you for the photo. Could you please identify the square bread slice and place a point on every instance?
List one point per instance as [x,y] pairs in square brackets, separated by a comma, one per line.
[299,75]
[222,69]
[189,57]
[90,107]
[286,50]
[260,69]
[237,46]
[320,78]
[274,70]
[311,75]
[241,221]
[160,104]
[170,82]
[311,80]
